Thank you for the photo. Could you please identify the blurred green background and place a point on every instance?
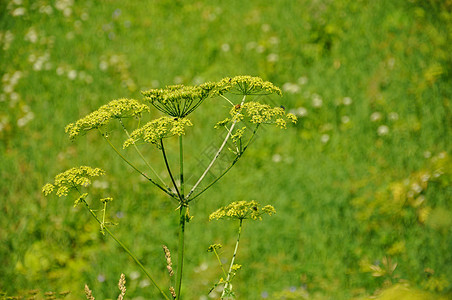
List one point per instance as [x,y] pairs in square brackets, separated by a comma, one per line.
[361,185]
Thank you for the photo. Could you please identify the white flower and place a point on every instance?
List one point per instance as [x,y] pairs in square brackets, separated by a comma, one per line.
[31,35]
[225,47]
[20,11]
[393,116]
[317,101]
[291,87]
[72,74]
[347,101]
[376,116]
[383,130]
[325,138]
[276,158]
[345,119]
[272,57]
[302,80]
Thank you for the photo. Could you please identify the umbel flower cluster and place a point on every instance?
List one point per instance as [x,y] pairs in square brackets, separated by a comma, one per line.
[242,210]
[116,109]
[72,179]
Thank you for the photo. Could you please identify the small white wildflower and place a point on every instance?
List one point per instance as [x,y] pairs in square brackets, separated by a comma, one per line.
[393,116]
[427,154]
[72,74]
[415,187]
[144,283]
[25,119]
[134,275]
[345,119]
[383,130]
[8,89]
[302,80]
[375,116]
[317,101]
[347,101]
[14,97]
[20,11]
[276,158]
[2,97]
[47,9]
[391,62]
[31,35]
[260,49]
[300,112]
[70,35]
[291,87]
[324,138]
[100,184]
[60,71]
[103,65]
[225,47]
[84,16]
[67,12]
[265,27]
[272,57]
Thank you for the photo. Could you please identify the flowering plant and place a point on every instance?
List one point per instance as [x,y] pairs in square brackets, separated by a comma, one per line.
[177,102]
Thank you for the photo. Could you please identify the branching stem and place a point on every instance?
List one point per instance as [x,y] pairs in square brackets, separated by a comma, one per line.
[168,192]
[217,154]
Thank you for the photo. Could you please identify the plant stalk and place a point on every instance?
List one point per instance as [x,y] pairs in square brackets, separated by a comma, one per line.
[126,249]
[233,259]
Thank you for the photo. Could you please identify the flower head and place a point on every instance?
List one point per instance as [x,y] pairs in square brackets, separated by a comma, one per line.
[178,100]
[242,210]
[246,85]
[71,179]
[116,109]
[158,129]
[259,113]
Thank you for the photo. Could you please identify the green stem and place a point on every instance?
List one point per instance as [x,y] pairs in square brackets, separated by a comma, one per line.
[141,155]
[171,194]
[182,222]
[169,171]
[126,249]
[233,259]
[180,254]
[181,166]
[218,152]
[219,261]
[230,166]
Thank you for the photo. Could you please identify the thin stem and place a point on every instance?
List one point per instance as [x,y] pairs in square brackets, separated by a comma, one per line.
[233,259]
[171,194]
[219,261]
[216,155]
[180,254]
[141,155]
[181,166]
[126,249]
[236,159]
[169,170]
[222,96]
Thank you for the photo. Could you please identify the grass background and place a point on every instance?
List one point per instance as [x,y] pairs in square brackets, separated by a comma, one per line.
[352,182]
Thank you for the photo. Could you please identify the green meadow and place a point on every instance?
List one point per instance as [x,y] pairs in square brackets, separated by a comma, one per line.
[362,184]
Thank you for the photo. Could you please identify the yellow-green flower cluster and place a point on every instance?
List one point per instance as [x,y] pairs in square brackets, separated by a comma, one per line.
[158,129]
[178,100]
[242,210]
[71,179]
[116,109]
[259,113]
[214,247]
[246,85]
